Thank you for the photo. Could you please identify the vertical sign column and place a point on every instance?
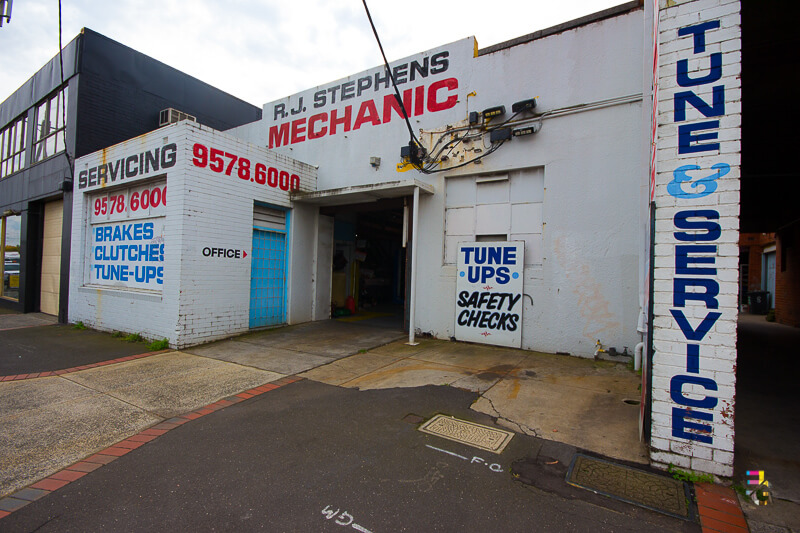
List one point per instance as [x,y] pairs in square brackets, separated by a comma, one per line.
[697,232]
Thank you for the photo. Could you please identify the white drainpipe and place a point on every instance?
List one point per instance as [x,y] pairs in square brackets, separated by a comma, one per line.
[637,356]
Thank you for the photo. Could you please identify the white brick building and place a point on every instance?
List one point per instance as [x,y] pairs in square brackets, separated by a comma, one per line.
[565,179]
[201,289]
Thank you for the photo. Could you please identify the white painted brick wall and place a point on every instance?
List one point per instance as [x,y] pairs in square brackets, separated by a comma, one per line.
[148,313]
[718,347]
[203,298]
[215,292]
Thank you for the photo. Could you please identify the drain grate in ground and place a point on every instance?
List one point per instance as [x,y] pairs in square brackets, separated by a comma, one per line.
[658,493]
[477,435]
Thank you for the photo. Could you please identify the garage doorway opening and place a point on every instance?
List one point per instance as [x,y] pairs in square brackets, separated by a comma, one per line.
[369,280]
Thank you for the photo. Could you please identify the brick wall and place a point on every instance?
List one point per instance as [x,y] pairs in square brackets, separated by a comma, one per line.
[217,211]
[203,297]
[755,243]
[697,239]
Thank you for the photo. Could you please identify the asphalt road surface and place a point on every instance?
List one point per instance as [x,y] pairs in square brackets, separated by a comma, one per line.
[314,457]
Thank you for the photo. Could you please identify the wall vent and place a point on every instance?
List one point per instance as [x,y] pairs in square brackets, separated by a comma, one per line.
[172,115]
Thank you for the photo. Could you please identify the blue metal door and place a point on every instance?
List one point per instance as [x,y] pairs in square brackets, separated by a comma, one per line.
[268,279]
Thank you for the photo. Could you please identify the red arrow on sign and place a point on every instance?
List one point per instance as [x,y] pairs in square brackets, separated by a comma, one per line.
[244,254]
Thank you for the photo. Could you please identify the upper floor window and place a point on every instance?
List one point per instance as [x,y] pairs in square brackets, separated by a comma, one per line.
[51,116]
[12,146]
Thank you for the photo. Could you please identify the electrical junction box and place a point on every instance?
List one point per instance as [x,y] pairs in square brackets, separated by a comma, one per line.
[524,105]
[502,134]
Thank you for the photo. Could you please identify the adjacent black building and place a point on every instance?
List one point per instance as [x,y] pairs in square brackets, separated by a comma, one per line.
[108,93]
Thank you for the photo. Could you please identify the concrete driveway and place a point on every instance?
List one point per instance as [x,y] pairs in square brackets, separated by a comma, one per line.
[588,404]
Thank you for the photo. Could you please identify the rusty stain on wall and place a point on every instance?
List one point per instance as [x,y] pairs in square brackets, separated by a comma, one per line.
[592,305]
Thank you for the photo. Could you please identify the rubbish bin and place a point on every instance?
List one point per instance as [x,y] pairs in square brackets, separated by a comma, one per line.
[759,302]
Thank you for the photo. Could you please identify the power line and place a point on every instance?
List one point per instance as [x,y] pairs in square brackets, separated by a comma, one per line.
[417,153]
[64,103]
[391,77]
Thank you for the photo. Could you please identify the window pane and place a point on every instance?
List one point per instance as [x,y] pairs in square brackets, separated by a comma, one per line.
[59,118]
[11,258]
[42,122]
[23,156]
[18,136]
[53,110]
[64,101]
[51,146]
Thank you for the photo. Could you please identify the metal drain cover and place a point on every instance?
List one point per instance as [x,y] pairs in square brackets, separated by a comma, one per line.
[477,435]
[658,493]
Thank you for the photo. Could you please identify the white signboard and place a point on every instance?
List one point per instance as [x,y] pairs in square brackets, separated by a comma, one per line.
[127,237]
[489,292]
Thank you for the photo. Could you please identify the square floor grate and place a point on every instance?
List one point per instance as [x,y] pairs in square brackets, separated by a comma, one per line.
[477,435]
[652,491]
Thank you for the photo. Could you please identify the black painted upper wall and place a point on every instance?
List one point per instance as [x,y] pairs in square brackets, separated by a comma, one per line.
[122,91]
[115,94]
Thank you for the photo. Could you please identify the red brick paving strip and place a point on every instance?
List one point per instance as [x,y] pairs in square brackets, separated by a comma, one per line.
[17,377]
[84,466]
[100,458]
[67,475]
[49,484]
[15,501]
[719,509]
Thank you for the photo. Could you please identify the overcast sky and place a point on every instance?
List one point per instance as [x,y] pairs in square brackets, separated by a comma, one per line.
[264,50]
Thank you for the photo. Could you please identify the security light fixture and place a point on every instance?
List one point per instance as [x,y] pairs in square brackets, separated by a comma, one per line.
[528,130]
[524,105]
[494,111]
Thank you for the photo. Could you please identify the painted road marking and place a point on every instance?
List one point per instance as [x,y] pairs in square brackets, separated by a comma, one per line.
[447,452]
[342,519]
[494,467]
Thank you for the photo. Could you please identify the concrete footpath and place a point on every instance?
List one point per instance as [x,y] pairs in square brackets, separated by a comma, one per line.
[347,428]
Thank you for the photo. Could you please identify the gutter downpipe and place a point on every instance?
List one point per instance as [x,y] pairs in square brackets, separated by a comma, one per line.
[412,297]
